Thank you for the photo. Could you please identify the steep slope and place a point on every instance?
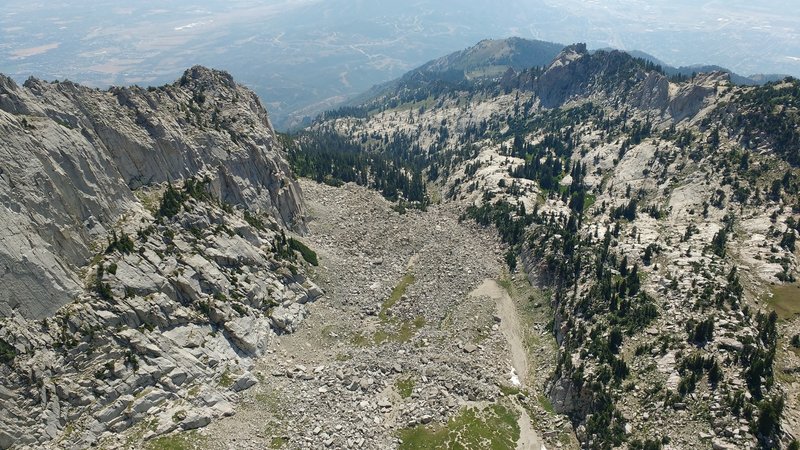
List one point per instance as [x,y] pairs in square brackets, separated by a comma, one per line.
[493,57]
[504,59]
[488,59]
[148,262]
[72,157]
[660,216]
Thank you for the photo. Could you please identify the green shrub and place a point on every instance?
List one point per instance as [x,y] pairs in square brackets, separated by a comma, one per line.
[306,252]
[121,243]
[718,243]
[171,202]
[703,332]
[254,221]
[615,340]
[7,352]
[769,418]
[511,259]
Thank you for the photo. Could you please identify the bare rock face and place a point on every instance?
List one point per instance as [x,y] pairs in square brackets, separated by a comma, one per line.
[689,99]
[167,330]
[616,76]
[72,157]
[565,76]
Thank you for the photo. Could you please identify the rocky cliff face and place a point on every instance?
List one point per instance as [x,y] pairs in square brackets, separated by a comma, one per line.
[73,157]
[165,333]
[575,74]
[144,254]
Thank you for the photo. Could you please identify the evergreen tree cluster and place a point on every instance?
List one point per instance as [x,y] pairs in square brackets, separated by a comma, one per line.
[121,243]
[770,113]
[692,368]
[7,352]
[333,159]
[510,221]
[173,199]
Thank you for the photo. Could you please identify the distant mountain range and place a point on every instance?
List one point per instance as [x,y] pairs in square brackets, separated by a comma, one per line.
[305,56]
[750,80]
[487,59]
[492,58]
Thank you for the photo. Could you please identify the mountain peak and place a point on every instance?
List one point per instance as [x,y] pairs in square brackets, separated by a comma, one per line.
[569,54]
[201,76]
[7,84]
[131,139]
[578,47]
[491,57]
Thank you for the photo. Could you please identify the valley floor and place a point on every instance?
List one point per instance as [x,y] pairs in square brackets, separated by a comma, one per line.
[421,340]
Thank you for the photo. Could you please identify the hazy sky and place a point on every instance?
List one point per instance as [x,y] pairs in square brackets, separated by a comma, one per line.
[306,54]
[745,36]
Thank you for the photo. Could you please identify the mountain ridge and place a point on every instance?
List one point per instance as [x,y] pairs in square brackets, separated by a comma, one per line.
[91,149]
[146,260]
[643,227]
[491,58]
[690,70]
[658,212]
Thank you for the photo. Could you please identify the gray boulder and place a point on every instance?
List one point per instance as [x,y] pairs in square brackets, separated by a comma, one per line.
[288,318]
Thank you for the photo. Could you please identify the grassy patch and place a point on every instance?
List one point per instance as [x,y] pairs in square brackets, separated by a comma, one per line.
[359,340]
[148,199]
[408,329]
[176,441]
[507,284]
[331,333]
[786,300]
[278,442]
[405,386]
[494,427]
[509,390]
[398,331]
[397,293]
[589,201]
[270,400]
[226,379]
[394,329]
[135,434]
[380,337]
[546,404]
[423,438]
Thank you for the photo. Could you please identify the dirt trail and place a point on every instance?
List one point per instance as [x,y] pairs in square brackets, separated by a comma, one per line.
[509,326]
[528,438]
[512,331]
